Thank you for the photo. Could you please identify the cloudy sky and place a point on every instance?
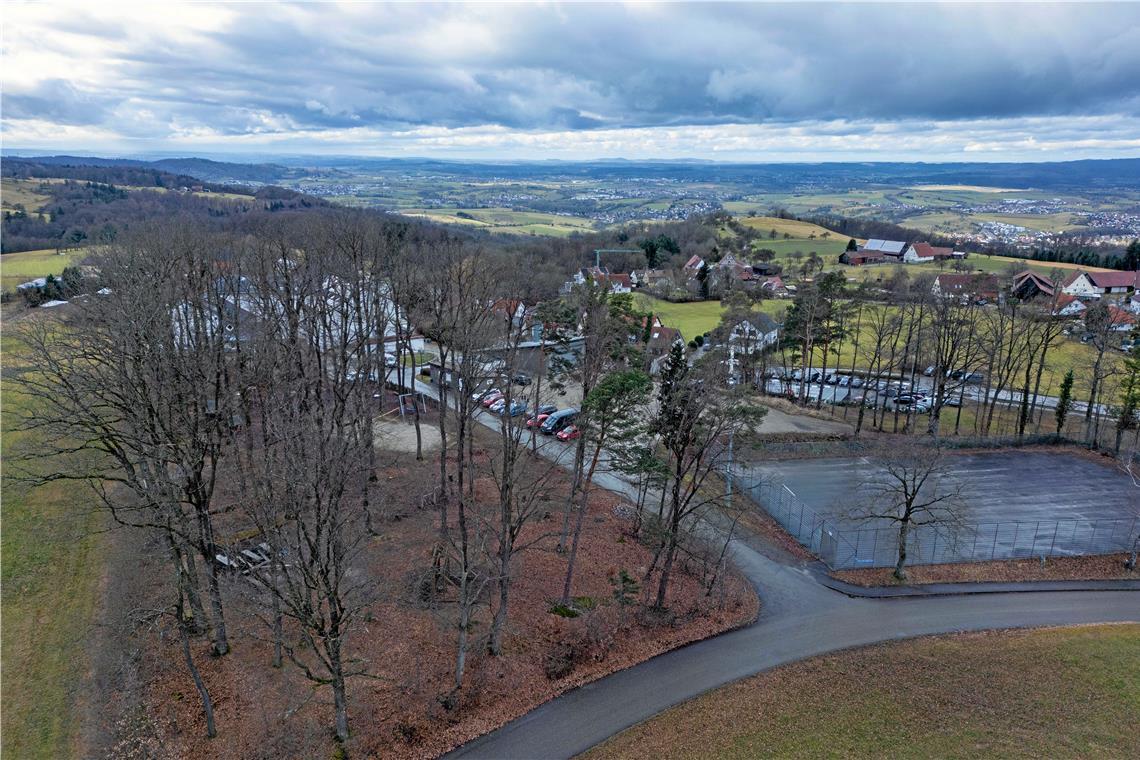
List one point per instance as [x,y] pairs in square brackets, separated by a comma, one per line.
[732,81]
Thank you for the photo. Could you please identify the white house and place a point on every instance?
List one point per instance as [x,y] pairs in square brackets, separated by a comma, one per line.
[923,253]
[1097,284]
[758,333]
[1069,306]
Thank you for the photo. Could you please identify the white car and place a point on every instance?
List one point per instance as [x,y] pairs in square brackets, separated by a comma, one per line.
[480,395]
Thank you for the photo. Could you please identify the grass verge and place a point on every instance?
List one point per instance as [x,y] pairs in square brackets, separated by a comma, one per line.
[1072,692]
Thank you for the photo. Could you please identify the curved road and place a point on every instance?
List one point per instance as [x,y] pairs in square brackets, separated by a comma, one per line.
[799,618]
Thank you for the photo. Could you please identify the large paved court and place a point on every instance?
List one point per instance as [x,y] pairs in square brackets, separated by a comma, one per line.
[1018,503]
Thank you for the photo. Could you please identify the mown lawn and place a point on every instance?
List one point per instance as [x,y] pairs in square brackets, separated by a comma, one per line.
[698,317]
[1071,692]
[51,566]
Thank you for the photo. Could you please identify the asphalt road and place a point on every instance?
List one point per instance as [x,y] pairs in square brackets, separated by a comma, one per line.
[799,618]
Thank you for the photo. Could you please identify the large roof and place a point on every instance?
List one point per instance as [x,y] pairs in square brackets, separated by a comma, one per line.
[886,246]
[1115,279]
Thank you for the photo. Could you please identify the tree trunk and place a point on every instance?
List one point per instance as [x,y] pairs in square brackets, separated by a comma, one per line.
[221,640]
[188,658]
[582,509]
[200,621]
[666,570]
[900,566]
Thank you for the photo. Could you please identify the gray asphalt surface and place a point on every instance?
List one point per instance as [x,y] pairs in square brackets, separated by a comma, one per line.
[1000,486]
[799,618]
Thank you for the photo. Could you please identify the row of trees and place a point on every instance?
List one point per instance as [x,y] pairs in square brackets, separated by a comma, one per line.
[228,385]
[1007,348]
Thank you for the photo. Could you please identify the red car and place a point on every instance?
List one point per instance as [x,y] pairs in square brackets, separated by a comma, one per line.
[568,433]
[535,422]
[491,398]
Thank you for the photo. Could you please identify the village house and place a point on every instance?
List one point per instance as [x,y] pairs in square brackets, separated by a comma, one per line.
[615,282]
[984,287]
[1069,306]
[892,249]
[861,258]
[924,253]
[1096,284]
[1028,285]
[755,334]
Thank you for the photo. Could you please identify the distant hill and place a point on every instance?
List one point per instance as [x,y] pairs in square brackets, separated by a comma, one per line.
[199,169]
[69,204]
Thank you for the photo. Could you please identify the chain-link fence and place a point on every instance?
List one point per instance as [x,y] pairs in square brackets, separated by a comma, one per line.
[843,545]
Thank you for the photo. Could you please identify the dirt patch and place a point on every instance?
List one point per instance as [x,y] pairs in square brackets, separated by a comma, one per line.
[393,433]
[1103,567]
[779,420]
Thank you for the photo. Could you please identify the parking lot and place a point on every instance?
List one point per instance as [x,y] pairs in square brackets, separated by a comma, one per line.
[1016,504]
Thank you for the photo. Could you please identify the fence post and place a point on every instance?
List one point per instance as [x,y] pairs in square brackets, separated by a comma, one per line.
[993,547]
[1033,551]
[1056,527]
[1013,546]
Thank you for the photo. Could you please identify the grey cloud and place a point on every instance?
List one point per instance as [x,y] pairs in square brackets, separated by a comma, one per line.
[587,66]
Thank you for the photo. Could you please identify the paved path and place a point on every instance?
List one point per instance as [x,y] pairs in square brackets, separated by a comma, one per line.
[800,617]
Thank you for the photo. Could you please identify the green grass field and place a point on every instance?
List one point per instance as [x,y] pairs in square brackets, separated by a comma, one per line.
[1071,692]
[16,268]
[699,317]
[51,569]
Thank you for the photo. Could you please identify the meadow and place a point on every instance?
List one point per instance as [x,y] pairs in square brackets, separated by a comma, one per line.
[16,268]
[52,567]
[1066,692]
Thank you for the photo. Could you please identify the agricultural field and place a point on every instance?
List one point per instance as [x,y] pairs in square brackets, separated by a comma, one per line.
[51,570]
[16,268]
[1066,692]
[16,193]
[505,220]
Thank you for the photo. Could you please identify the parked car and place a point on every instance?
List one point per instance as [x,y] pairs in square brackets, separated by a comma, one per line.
[569,433]
[844,381]
[482,395]
[521,378]
[558,420]
[975,378]
[912,403]
[816,376]
[857,382]
[536,420]
[389,360]
[491,398]
[832,378]
[516,408]
[497,405]
[546,409]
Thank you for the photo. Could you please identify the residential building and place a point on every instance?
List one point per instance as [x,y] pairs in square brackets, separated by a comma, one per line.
[1096,284]
[924,253]
[967,286]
